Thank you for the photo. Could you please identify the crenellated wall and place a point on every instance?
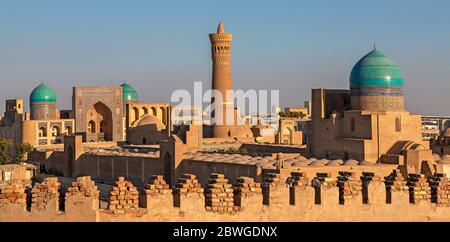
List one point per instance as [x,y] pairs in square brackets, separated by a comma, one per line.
[346,197]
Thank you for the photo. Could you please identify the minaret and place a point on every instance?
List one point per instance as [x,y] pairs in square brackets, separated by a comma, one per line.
[222,82]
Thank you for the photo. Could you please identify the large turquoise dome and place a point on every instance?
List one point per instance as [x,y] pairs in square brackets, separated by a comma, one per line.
[376,70]
[43,94]
[129,93]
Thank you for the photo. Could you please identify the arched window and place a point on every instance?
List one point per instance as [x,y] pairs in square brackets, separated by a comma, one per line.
[154,112]
[56,131]
[163,113]
[352,125]
[145,110]
[42,132]
[91,127]
[68,130]
[136,113]
[398,124]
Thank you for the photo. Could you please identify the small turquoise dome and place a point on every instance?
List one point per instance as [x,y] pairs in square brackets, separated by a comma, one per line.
[376,70]
[129,93]
[43,94]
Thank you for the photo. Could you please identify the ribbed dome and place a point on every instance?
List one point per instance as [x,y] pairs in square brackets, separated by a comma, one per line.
[42,94]
[129,93]
[376,70]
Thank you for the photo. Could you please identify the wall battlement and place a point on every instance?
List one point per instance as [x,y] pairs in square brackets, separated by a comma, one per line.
[346,197]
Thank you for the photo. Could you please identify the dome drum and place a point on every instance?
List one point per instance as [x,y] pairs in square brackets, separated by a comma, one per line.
[378,91]
[378,103]
[43,111]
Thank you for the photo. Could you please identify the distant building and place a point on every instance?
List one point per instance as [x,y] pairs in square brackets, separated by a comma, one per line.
[433,126]
[42,126]
[368,122]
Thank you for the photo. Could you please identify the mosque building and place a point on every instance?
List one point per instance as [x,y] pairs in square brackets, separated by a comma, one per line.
[42,126]
[99,114]
[364,125]
[368,122]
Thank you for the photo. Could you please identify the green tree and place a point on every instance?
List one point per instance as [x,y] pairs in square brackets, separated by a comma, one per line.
[4,150]
[22,150]
[292,115]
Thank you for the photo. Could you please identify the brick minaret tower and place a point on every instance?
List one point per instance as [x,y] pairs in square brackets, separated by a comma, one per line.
[221,81]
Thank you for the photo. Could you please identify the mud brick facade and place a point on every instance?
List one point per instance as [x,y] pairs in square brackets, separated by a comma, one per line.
[157,185]
[83,186]
[395,181]
[325,185]
[219,196]
[300,189]
[188,183]
[419,189]
[187,191]
[245,187]
[82,198]
[372,184]
[157,191]
[124,197]
[350,187]
[294,197]
[45,195]
[440,189]
[274,186]
[13,192]
[298,179]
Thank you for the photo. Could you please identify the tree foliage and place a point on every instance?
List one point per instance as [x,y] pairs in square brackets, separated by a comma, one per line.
[4,151]
[21,151]
[292,115]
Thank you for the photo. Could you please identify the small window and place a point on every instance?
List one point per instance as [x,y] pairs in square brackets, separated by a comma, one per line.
[68,130]
[398,124]
[42,132]
[91,127]
[56,131]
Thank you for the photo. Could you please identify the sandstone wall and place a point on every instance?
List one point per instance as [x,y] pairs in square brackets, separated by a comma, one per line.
[299,198]
[109,167]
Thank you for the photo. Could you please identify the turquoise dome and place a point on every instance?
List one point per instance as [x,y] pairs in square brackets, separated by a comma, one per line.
[376,70]
[129,93]
[43,94]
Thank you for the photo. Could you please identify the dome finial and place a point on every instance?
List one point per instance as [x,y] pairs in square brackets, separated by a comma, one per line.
[374,45]
[220,29]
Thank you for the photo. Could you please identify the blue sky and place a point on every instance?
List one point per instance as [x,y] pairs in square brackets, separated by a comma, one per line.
[160,46]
